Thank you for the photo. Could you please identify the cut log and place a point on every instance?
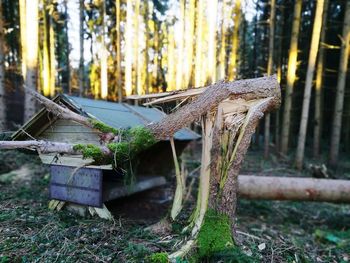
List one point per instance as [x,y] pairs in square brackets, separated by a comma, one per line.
[294,189]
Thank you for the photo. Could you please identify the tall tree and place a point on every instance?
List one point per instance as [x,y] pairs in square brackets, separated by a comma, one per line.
[31,59]
[199,44]
[339,100]
[180,49]
[81,42]
[318,85]
[128,47]
[292,66]
[189,32]
[232,71]
[2,73]
[104,55]
[52,54]
[315,40]
[269,72]
[22,25]
[222,52]
[211,64]
[118,73]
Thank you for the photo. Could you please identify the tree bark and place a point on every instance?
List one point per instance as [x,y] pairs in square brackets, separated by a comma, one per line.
[233,71]
[339,100]
[211,66]
[318,85]
[294,189]
[269,72]
[222,52]
[199,44]
[292,66]
[2,73]
[81,42]
[315,41]
[128,47]
[118,73]
[31,80]
[180,49]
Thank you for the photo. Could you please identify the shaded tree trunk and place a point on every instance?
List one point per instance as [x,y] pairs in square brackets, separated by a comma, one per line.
[292,66]
[104,56]
[269,72]
[81,50]
[339,100]
[2,73]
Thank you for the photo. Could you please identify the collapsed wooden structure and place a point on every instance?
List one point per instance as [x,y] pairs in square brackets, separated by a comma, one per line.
[229,113]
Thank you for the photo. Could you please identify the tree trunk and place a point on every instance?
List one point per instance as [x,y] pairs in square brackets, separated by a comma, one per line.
[269,72]
[294,189]
[233,71]
[171,85]
[292,66]
[189,33]
[32,23]
[2,73]
[339,100]
[104,56]
[81,42]
[67,89]
[52,58]
[318,85]
[315,41]
[128,47]
[180,49]
[211,64]
[118,73]
[22,16]
[199,44]
[222,54]
[46,53]
[147,40]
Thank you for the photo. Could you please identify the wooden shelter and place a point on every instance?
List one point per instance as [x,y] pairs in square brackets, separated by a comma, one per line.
[92,185]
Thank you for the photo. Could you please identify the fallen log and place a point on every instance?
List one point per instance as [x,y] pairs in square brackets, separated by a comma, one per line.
[294,189]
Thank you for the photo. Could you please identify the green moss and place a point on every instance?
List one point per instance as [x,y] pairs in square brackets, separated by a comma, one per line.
[215,234]
[90,151]
[141,138]
[158,258]
[103,127]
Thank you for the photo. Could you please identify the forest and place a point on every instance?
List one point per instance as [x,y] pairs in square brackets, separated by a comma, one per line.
[268,75]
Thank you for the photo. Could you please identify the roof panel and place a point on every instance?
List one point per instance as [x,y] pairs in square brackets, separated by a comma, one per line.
[125,116]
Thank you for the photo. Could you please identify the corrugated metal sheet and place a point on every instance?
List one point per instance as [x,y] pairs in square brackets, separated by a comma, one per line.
[125,116]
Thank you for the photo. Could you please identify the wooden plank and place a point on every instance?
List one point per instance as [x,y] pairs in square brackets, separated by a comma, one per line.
[78,185]
[71,160]
[70,137]
[114,190]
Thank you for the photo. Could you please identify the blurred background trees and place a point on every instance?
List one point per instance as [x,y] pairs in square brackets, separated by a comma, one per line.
[124,47]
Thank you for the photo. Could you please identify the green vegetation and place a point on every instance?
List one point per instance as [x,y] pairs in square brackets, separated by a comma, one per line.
[161,257]
[90,151]
[102,127]
[215,234]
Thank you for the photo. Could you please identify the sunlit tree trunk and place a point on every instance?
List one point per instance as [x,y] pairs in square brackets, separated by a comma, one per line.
[180,47]
[339,100]
[2,73]
[189,33]
[222,55]
[199,44]
[315,41]
[292,66]
[46,52]
[52,59]
[137,56]
[81,41]
[118,73]
[155,58]
[32,23]
[147,41]
[318,85]
[232,71]
[269,72]
[211,64]
[104,56]
[171,60]
[128,47]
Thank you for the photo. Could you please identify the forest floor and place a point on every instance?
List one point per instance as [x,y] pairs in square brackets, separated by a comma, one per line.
[267,231]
